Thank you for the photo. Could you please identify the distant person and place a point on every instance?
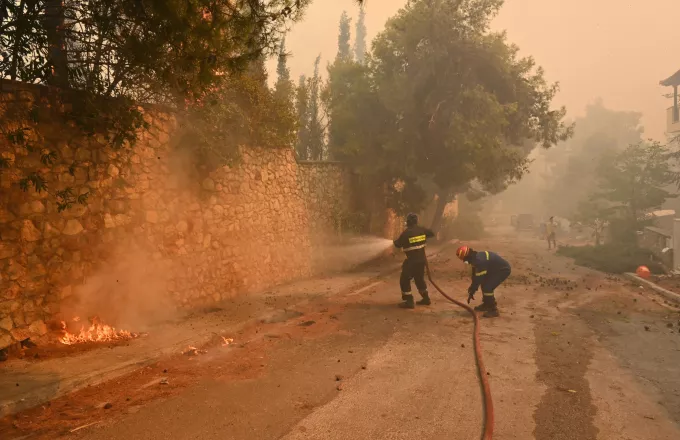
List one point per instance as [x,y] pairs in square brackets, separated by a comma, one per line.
[550,230]
[489,270]
[412,241]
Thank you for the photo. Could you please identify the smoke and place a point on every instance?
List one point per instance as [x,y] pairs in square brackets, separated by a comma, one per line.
[349,252]
[130,293]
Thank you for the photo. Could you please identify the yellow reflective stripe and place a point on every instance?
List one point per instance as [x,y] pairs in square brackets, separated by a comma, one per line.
[413,248]
[488,294]
[417,239]
[487,255]
[479,274]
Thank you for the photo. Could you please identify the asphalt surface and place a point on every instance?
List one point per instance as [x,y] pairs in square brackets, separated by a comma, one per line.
[575,355]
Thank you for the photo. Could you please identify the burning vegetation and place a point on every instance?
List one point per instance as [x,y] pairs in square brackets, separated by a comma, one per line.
[96,332]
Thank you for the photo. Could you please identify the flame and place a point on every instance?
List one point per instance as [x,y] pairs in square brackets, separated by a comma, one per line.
[226,341]
[97,332]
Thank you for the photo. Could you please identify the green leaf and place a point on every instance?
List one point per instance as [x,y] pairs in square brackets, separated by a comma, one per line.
[82,198]
[49,158]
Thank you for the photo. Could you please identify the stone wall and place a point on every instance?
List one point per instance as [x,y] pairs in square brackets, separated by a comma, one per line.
[153,234]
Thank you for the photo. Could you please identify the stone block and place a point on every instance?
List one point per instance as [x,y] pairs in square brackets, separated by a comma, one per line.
[7,249]
[113,170]
[208,184]
[5,339]
[72,227]
[182,226]
[19,320]
[75,211]
[6,323]
[108,221]
[83,154]
[38,327]
[15,270]
[29,232]
[152,217]
[122,219]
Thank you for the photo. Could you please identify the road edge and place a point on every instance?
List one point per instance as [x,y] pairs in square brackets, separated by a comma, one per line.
[671,296]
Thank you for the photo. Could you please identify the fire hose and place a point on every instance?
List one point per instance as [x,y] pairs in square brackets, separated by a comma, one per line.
[487,432]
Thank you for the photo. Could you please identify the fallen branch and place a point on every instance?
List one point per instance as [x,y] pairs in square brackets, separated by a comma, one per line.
[84,426]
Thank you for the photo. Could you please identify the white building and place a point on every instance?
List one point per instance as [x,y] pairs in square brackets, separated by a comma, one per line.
[673,112]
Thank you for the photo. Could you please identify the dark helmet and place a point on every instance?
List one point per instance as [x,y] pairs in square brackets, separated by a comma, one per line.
[411,219]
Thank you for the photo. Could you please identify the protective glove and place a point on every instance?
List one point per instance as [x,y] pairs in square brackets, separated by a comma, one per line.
[471,295]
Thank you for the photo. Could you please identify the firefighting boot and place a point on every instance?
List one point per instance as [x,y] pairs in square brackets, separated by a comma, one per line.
[486,304]
[408,303]
[483,307]
[492,311]
[425,301]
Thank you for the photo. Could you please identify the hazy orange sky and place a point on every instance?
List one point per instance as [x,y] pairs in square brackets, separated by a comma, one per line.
[618,50]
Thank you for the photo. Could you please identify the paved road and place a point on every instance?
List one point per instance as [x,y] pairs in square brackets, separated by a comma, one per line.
[570,358]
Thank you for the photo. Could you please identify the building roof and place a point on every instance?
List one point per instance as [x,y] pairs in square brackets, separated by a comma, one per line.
[659,231]
[673,80]
[659,213]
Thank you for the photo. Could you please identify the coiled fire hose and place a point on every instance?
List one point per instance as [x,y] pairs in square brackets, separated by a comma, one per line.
[487,432]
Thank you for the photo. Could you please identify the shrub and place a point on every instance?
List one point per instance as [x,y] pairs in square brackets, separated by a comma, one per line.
[611,257]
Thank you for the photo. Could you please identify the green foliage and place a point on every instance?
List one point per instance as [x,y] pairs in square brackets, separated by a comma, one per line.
[66,199]
[146,50]
[302,113]
[343,37]
[360,38]
[443,100]
[33,180]
[631,183]
[282,71]
[593,214]
[242,111]
[107,56]
[284,86]
[316,146]
[612,257]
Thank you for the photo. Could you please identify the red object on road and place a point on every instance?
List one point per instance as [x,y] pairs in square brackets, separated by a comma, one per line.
[643,272]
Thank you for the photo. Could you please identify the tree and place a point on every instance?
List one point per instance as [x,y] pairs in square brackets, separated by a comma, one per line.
[317,145]
[631,184]
[593,214]
[458,104]
[360,39]
[150,51]
[241,111]
[302,110]
[284,86]
[344,36]
[177,53]
[282,71]
[571,169]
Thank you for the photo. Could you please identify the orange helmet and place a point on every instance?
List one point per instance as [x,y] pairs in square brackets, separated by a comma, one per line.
[463,252]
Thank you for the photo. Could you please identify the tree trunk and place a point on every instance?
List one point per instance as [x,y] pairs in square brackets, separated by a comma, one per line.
[444,197]
[54,23]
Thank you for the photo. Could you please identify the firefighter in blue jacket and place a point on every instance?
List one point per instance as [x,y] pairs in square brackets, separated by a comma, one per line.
[412,241]
[489,270]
